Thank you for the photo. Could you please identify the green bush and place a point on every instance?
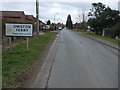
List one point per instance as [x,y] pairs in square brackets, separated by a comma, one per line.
[114,31]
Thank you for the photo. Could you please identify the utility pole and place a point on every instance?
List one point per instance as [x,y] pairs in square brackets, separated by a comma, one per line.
[37,16]
[79,17]
[83,18]
[54,23]
[54,20]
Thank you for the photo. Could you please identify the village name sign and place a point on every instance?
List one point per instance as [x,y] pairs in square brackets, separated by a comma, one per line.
[19,29]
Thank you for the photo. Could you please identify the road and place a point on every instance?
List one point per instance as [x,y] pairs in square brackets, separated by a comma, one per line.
[81,62]
[75,61]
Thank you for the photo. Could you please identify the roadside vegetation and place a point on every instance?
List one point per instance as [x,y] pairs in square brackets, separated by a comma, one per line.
[115,41]
[104,20]
[103,23]
[17,59]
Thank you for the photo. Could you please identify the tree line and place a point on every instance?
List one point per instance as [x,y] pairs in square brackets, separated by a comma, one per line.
[104,20]
[101,20]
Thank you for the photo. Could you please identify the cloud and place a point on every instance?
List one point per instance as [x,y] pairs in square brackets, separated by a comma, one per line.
[48,9]
[27,7]
[59,0]
[63,9]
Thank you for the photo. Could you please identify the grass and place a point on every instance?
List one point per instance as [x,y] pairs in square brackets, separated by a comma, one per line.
[17,60]
[5,40]
[102,37]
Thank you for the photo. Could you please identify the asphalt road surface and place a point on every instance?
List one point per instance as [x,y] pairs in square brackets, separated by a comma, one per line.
[81,62]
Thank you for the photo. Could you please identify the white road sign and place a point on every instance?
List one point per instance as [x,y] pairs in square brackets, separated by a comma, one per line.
[18,29]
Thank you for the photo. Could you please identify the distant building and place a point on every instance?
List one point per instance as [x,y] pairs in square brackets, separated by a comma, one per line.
[30,18]
[12,16]
[42,25]
[18,17]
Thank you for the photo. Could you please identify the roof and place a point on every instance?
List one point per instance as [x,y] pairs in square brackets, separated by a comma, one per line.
[29,16]
[12,13]
[41,22]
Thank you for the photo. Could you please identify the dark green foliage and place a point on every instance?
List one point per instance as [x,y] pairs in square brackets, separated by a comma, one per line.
[102,18]
[48,22]
[114,31]
[82,26]
[69,22]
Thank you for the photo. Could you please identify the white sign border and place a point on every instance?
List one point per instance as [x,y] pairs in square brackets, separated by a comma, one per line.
[18,35]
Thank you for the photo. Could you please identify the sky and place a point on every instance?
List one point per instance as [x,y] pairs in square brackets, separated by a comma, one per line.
[50,8]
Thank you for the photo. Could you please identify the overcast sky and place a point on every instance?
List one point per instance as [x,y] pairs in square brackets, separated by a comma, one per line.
[61,9]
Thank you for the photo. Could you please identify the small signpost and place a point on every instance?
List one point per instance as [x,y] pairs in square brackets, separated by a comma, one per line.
[10,42]
[19,30]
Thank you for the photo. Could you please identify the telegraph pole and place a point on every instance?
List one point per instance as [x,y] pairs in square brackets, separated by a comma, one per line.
[54,20]
[37,16]
[79,17]
[54,23]
[83,18]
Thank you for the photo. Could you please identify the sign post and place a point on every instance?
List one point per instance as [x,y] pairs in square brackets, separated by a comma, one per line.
[10,42]
[27,43]
[19,30]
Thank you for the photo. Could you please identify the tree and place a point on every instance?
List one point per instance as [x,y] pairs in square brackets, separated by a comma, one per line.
[102,17]
[95,21]
[48,22]
[69,22]
[114,31]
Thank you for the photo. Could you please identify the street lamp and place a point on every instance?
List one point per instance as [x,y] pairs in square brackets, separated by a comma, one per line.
[54,19]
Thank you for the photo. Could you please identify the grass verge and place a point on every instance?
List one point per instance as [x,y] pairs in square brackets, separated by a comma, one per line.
[102,37]
[17,60]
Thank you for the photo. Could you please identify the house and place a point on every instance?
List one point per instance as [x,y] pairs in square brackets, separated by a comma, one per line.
[30,19]
[13,16]
[18,17]
[42,25]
